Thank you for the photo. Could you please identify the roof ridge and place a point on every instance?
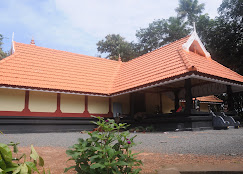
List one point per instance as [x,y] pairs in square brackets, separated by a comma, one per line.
[226,67]
[214,61]
[7,58]
[164,46]
[116,74]
[186,61]
[65,51]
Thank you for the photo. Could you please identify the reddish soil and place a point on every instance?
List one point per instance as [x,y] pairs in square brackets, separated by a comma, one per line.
[56,159]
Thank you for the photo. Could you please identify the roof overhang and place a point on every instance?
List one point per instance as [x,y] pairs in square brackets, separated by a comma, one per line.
[206,102]
[195,75]
[52,90]
[164,82]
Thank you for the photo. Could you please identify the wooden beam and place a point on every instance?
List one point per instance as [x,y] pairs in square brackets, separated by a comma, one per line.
[110,109]
[58,104]
[230,98]
[86,112]
[132,102]
[26,103]
[188,96]
[160,103]
[176,92]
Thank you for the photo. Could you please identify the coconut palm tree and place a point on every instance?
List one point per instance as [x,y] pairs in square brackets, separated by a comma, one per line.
[189,10]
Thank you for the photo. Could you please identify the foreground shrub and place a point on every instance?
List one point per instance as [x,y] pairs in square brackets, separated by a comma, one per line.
[10,165]
[107,151]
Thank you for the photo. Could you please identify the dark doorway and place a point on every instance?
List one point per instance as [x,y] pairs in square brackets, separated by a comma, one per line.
[137,103]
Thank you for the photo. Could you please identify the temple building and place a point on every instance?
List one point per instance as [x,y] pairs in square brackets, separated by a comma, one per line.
[43,89]
[206,103]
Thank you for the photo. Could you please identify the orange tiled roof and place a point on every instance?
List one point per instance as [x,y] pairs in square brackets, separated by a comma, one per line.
[211,67]
[38,67]
[210,98]
[162,63]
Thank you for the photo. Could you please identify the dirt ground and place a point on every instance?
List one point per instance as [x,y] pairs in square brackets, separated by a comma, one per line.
[153,163]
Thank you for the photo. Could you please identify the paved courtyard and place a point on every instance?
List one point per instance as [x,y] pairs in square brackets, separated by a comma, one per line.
[208,142]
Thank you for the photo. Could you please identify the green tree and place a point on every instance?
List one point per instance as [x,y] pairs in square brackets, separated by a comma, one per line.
[223,36]
[189,10]
[152,37]
[232,11]
[163,31]
[2,53]
[116,46]
[160,32]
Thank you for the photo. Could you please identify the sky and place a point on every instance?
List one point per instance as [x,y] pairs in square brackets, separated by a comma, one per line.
[77,25]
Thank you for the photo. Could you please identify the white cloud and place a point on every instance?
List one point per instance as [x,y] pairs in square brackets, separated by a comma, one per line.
[99,18]
[77,26]
[211,7]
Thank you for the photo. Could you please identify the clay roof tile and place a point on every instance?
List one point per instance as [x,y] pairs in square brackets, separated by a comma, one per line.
[38,67]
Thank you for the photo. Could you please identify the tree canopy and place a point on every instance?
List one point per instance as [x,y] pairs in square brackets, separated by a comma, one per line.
[2,53]
[222,36]
[189,10]
[116,46]
[160,32]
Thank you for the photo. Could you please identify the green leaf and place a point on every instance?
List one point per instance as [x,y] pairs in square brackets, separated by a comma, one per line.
[121,163]
[44,171]
[2,163]
[97,165]
[17,170]
[23,155]
[135,171]
[67,169]
[41,161]
[116,146]
[34,155]
[6,153]
[31,166]
[15,147]
[10,169]
[24,169]
[92,159]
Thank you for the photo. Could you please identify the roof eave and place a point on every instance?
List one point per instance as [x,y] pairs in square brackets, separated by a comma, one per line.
[190,74]
[26,88]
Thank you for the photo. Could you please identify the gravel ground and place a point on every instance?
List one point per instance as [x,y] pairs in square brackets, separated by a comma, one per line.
[209,142]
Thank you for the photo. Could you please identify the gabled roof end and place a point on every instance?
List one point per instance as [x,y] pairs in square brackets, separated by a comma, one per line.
[194,37]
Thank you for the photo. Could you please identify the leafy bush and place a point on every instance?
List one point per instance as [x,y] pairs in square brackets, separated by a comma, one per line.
[7,166]
[139,129]
[150,128]
[107,151]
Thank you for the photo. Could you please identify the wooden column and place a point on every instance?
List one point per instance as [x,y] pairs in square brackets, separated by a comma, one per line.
[230,98]
[132,97]
[86,112]
[176,92]
[26,103]
[160,103]
[58,111]
[110,111]
[188,96]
